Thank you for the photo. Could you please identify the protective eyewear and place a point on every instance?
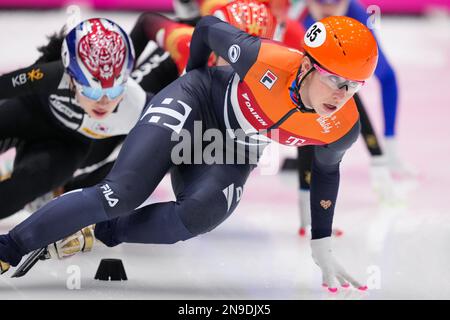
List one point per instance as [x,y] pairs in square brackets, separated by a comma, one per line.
[96,93]
[337,82]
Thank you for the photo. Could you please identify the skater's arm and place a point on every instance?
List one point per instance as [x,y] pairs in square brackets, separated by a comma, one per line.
[238,48]
[325,182]
[146,29]
[36,79]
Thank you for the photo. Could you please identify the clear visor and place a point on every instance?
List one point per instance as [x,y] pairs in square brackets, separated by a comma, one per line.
[96,93]
[336,82]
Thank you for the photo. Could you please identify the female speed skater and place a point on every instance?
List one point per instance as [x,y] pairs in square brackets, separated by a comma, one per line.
[268,92]
[289,32]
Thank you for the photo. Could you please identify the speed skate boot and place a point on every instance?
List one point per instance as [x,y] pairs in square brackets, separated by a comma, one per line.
[4,266]
[81,241]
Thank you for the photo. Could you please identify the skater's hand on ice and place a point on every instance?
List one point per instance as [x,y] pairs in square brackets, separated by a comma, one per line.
[332,272]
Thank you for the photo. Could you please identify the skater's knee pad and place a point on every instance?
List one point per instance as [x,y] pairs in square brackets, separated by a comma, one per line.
[123,193]
[104,231]
[200,217]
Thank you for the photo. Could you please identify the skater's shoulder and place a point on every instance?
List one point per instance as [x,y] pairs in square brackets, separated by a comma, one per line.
[135,97]
[278,58]
[279,53]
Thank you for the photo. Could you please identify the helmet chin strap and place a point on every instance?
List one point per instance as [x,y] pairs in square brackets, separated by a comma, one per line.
[300,105]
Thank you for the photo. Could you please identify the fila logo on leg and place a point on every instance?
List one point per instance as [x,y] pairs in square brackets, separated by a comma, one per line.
[107,193]
[269,79]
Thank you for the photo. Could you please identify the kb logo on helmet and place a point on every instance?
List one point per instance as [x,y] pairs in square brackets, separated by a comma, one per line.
[234,52]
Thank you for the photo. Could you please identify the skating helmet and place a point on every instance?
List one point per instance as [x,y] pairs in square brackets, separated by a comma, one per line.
[99,56]
[251,16]
[342,46]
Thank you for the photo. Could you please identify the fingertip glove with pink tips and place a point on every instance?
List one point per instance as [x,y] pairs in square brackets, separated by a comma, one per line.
[332,272]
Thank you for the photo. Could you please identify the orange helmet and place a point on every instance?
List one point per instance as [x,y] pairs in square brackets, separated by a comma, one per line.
[343,46]
[251,16]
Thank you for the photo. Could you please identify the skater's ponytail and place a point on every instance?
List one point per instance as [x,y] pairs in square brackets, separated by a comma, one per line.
[52,50]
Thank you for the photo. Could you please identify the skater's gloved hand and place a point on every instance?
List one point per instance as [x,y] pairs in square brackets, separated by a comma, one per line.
[332,272]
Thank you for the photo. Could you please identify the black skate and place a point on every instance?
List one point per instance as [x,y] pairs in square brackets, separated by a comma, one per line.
[33,258]
[81,241]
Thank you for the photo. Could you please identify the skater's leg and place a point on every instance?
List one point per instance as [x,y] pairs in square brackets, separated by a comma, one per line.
[304,163]
[40,167]
[89,179]
[206,196]
[142,163]
[97,165]
[16,121]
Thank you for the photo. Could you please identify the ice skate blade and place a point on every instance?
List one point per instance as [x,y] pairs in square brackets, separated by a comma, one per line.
[35,256]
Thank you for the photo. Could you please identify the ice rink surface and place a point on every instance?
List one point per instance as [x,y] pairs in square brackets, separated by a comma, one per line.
[401,249]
